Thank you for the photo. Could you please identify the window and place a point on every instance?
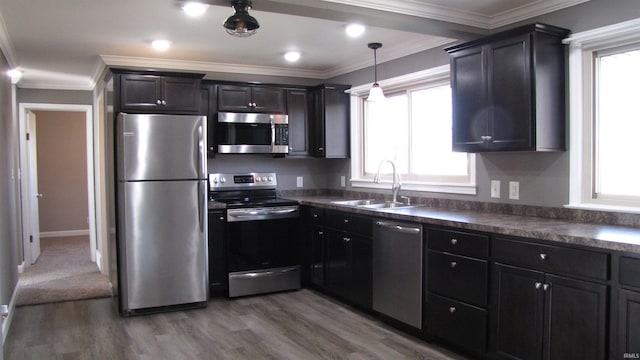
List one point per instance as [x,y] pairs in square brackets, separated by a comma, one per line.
[413,129]
[605,120]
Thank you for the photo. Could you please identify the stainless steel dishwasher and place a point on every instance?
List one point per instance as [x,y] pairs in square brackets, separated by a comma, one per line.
[397,271]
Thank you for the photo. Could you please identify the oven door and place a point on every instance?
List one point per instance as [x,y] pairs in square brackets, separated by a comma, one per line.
[263,238]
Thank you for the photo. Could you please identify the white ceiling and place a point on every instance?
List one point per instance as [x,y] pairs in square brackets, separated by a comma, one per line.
[65,44]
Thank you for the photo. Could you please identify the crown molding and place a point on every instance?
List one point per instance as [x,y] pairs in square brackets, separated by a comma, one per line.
[5,44]
[430,11]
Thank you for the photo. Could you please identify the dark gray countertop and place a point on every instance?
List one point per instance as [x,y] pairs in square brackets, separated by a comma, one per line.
[607,237]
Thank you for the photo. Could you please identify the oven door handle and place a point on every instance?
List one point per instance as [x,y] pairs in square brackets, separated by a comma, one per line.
[261,214]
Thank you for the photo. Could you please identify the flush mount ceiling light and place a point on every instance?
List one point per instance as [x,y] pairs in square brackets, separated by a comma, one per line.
[161,45]
[194,8]
[375,93]
[354,30]
[241,24]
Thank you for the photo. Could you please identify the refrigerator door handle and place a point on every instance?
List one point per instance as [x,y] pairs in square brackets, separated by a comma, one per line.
[201,204]
[200,151]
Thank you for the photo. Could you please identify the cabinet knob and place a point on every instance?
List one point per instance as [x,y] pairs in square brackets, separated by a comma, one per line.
[452,309]
[486,138]
[346,221]
[538,285]
[454,264]
[164,102]
[221,217]
[320,232]
[546,287]
[315,216]
[159,102]
[543,256]
[346,239]
[454,241]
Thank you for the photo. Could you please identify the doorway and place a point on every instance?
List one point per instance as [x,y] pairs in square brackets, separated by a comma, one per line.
[29,192]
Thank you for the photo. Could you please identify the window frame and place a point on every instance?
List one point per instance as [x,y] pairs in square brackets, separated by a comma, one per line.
[417,80]
[584,49]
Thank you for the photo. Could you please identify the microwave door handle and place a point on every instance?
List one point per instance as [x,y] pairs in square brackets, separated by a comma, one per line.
[273,134]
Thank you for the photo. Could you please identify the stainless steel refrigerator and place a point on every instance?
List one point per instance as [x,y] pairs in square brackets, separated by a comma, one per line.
[161,212]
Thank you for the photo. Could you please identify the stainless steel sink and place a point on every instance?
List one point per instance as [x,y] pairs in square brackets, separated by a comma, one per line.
[373,204]
[359,202]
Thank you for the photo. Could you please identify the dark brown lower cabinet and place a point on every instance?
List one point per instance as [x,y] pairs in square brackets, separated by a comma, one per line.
[349,266]
[628,324]
[218,273]
[317,256]
[457,323]
[543,316]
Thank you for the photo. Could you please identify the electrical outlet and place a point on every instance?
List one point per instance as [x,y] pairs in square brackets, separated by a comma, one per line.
[514,190]
[495,189]
[343,181]
[299,181]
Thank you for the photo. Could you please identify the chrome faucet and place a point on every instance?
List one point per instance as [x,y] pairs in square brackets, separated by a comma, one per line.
[397,181]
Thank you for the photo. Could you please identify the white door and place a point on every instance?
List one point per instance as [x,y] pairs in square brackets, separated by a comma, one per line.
[34,195]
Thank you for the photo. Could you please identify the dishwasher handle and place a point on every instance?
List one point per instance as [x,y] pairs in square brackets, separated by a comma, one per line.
[399,228]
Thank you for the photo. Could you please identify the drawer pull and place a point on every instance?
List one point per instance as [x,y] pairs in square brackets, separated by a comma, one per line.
[538,284]
[346,239]
[454,241]
[454,264]
[546,287]
[452,309]
[543,256]
[315,216]
[346,221]
[320,232]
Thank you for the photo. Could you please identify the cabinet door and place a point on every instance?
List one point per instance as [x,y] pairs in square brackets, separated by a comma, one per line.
[234,98]
[208,108]
[181,95]
[517,319]
[316,128]
[298,111]
[628,323]
[317,258]
[337,262]
[268,100]
[510,91]
[218,274]
[337,126]
[140,92]
[575,319]
[469,103]
[361,279]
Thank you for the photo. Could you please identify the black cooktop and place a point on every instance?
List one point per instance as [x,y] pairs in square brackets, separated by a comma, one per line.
[249,198]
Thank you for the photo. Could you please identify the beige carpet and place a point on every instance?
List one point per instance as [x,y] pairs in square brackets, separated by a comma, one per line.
[63,272]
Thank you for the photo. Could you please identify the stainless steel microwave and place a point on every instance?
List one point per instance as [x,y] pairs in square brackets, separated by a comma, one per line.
[249,133]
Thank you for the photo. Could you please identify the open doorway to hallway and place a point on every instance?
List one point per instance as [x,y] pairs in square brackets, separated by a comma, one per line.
[57,203]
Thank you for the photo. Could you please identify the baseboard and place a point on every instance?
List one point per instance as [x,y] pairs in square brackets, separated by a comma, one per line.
[6,323]
[64,233]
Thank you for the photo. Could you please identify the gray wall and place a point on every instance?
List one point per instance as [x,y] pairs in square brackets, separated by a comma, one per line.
[55,96]
[543,177]
[8,188]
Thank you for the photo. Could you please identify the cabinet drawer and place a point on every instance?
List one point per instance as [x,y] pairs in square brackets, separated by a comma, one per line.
[458,242]
[316,216]
[552,259]
[630,271]
[348,222]
[458,277]
[457,323]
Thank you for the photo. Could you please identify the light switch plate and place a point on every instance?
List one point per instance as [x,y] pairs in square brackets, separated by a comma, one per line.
[495,189]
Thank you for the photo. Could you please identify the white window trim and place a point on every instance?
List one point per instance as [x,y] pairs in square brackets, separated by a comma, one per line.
[581,54]
[430,75]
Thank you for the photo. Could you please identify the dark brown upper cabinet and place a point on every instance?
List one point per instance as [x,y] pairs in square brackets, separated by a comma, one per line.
[158,93]
[298,106]
[329,134]
[509,91]
[261,99]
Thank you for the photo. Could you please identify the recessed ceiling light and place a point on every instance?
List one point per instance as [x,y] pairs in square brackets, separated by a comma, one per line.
[194,8]
[355,30]
[161,45]
[292,56]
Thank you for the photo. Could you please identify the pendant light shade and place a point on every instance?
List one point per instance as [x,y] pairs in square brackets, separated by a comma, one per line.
[241,24]
[375,93]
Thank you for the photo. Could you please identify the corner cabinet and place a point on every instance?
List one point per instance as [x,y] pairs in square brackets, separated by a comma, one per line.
[509,91]
[329,134]
[168,93]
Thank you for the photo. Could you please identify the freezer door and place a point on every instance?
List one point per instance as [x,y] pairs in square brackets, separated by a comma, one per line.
[163,248]
[161,147]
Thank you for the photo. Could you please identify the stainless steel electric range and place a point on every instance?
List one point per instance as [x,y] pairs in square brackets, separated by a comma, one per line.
[263,233]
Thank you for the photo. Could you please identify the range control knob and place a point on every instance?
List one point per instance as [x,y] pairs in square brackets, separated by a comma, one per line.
[215,180]
[270,178]
[264,178]
[258,179]
[223,180]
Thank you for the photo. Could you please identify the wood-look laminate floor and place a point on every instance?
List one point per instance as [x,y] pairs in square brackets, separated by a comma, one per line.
[292,325]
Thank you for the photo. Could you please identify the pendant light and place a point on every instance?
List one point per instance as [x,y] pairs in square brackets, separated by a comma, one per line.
[375,93]
[241,24]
